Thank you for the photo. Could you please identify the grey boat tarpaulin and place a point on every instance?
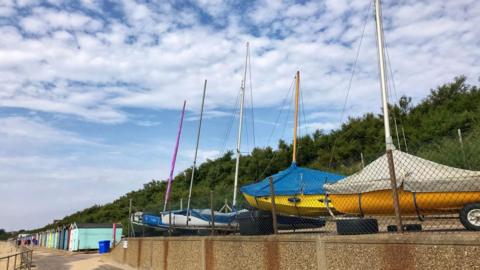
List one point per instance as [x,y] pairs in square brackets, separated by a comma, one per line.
[413,173]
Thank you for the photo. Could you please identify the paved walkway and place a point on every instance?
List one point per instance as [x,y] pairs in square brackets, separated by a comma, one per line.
[58,260]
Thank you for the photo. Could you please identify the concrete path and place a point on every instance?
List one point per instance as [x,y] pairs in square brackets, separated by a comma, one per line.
[57,260]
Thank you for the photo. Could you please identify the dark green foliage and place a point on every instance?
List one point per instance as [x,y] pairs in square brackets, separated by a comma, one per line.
[430,129]
[4,235]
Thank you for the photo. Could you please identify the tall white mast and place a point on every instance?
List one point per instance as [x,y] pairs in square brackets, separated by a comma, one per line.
[240,127]
[196,151]
[388,137]
[383,78]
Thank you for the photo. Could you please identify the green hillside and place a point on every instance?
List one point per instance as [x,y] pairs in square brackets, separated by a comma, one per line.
[430,128]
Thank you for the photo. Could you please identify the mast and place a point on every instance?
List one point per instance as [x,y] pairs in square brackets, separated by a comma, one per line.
[388,137]
[196,151]
[240,126]
[383,75]
[295,124]
[172,166]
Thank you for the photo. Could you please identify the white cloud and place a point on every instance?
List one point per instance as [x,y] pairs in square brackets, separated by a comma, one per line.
[6,11]
[148,123]
[22,131]
[173,67]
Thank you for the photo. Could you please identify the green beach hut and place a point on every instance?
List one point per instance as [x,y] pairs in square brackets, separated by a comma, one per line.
[84,236]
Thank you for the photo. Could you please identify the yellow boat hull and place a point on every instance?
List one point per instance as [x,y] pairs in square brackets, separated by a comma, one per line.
[381,202]
[306,205]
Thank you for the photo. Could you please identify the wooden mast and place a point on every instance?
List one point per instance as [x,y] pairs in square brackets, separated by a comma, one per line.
[295,125]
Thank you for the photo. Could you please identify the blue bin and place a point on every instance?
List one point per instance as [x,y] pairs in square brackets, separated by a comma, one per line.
[103,246]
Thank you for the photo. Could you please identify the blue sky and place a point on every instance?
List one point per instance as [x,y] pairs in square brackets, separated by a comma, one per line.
[91,90]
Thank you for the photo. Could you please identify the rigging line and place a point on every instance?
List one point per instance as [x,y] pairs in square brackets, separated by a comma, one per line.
[231,122]
[229,128]
[245,118]
[392,109]
[247,123]
[245,128]
[251,97]
[289,112]
[304,117]
[280,112]
[350,81]
[389,67]
[275,153]
[252,106]
[394,115]
[277,120]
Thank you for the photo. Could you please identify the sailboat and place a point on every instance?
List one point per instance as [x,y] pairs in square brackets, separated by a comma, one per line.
[189,219]
[298,191]
[198,218]
[398,183]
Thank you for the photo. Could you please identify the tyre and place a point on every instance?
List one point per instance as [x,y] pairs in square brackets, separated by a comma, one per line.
[357,226]
[470,216]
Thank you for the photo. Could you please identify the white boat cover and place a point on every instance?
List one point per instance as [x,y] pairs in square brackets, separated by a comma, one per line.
[414,173]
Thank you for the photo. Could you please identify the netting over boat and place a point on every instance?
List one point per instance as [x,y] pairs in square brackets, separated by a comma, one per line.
[412,173]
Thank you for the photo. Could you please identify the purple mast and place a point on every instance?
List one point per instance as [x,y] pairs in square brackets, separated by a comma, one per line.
[172,166]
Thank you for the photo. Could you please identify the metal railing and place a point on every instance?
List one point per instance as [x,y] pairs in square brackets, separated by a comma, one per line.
[20,260]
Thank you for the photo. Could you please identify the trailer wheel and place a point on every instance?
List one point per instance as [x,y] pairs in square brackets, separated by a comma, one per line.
[357,226]
[470,216]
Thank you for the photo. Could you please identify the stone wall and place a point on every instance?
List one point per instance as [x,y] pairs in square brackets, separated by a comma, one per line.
[381,251]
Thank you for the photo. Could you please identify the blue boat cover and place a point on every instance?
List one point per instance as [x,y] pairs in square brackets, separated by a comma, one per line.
[153,220]
[292,181]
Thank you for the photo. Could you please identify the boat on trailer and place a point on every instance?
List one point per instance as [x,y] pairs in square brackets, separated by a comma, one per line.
[298,191]
[424,188]
[197,219]
[398,183]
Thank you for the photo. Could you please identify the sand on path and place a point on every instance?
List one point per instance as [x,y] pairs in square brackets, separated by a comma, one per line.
[6,249]
[59,260]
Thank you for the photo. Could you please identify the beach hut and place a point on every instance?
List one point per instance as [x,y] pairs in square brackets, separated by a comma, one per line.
[44,238]
[49,239]
[84,236]
[55,239]
[66,237]
[60,238]
[52,238]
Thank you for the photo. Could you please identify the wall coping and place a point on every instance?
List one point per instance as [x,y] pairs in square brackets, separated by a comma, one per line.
[419,238]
